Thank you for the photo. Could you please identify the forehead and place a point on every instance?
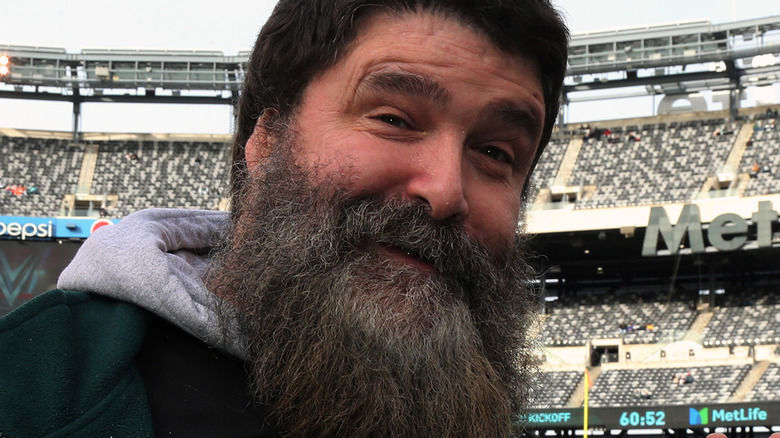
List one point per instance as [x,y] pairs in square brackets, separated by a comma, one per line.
[434,38]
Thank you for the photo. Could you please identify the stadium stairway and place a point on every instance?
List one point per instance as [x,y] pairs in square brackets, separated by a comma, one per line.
[739,180]
[740,144]
[749,381]
[578,395]
[88,168]
[696,331]
[568,161]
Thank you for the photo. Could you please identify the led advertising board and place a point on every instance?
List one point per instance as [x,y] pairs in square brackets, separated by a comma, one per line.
[30,267]
[765,413]
[40,228]
[33,252]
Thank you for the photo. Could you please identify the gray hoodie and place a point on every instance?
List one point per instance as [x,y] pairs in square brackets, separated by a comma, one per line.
[153,259]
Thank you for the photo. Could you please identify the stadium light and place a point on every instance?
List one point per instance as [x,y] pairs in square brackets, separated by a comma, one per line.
[766,60]
[3,65]
[719,67]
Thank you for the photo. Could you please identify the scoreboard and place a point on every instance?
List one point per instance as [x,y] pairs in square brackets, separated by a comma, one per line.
[765,413]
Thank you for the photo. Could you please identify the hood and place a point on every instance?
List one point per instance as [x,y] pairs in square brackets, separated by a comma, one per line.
[156,259]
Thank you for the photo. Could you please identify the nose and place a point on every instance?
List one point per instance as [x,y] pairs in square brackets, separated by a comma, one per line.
[438,180]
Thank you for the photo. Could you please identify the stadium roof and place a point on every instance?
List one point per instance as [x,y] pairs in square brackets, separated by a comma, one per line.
[661,58]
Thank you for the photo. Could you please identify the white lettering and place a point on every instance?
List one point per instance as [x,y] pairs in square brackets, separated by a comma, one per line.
[26,230]
[29,230]
[14,229]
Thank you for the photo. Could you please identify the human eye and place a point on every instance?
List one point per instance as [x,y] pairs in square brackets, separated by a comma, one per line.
[393,120]
[496,153]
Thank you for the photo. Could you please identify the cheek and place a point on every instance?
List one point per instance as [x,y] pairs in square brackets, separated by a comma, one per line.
[376,171]
[353,161]
[493,219]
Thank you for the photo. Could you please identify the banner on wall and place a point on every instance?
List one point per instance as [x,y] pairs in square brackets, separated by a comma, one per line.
[41,228]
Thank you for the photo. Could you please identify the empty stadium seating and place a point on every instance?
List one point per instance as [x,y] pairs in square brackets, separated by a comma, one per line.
[555,388]
[162,174]
[623,387]
[757,310]
[768,387]
[51,165]
[744,317]
[669,163]
[188,174]
[593,316]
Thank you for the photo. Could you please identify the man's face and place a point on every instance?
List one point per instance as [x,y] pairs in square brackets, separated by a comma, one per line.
[374,273]
[425,109]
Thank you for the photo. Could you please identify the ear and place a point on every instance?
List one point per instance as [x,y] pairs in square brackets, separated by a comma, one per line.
[259,145]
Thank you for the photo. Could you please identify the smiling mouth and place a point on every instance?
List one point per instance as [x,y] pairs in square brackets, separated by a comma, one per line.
[411,257]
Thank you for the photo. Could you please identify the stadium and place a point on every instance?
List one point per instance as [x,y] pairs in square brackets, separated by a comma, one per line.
[656,237]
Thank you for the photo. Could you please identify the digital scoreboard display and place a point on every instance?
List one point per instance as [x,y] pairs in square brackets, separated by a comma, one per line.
[765,413]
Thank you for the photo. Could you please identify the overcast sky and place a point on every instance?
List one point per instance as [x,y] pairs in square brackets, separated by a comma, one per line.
[232,25]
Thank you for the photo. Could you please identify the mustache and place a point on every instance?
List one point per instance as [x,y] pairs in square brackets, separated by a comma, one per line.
[408,227]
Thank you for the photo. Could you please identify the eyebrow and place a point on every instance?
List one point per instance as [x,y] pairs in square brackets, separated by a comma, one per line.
[508,113]
[503,111]
[406,83]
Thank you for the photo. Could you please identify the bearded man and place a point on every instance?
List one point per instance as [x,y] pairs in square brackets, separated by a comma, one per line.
[370,278]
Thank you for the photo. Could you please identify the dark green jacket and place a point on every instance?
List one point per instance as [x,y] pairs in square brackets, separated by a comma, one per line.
[67,368]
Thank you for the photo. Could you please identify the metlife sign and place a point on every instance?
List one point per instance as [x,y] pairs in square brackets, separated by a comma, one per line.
[37,228]
[726,232]
[737,416]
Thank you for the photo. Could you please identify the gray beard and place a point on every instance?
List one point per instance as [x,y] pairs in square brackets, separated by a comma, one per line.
[344,340]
